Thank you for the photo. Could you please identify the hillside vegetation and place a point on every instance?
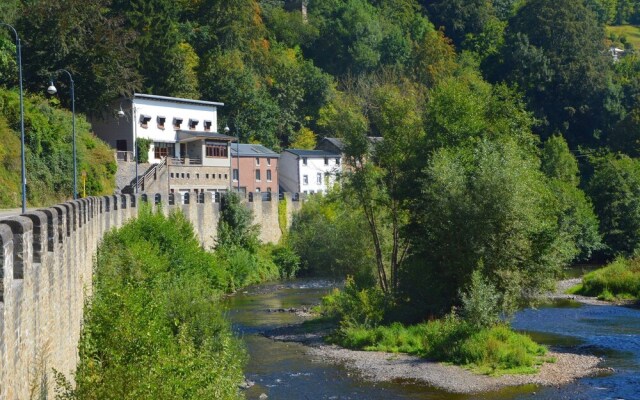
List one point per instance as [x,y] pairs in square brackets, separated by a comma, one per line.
[49,154]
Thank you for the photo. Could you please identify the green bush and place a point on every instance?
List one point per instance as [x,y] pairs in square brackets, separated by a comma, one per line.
[618,280]
[287,260]
[496,350]
[480,302]
[355,306]
[154,328]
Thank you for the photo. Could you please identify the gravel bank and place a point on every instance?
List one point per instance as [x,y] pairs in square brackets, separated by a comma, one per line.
[380,366]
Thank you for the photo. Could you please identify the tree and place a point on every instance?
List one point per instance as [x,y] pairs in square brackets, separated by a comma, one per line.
[615,191]
[235,226]
[555,53]
[377,171]
[460,17]
[576,217]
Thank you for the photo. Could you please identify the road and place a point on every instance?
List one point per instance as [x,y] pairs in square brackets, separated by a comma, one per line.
[9,212]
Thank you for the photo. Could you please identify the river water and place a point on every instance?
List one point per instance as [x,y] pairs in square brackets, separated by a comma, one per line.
[285,371]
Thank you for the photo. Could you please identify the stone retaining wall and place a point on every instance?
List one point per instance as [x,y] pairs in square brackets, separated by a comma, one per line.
[46,262]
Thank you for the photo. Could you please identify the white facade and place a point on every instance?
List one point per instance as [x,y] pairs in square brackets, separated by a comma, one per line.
[308,171]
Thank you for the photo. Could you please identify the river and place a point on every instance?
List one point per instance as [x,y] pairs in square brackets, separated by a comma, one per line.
[285,371]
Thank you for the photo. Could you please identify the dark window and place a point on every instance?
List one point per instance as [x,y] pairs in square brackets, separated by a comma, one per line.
[144,120]
[304,160]
[121,145]
[177,122]
[207,125]
[161,119]
[268,161]
[235,174]
[326,161]
[337,161]
[319,178]
[268,175]
[193,123]
[257,175]
[216,150]
[162,150]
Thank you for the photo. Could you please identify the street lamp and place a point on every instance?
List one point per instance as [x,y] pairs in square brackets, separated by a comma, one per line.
[226,131]
[24,169]
[52,90]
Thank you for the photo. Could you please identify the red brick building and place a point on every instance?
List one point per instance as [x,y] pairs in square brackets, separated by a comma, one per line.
[258,169]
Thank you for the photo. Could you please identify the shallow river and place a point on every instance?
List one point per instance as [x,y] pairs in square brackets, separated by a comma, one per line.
[285,371]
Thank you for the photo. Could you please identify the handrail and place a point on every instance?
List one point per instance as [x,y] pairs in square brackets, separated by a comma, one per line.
[152,172]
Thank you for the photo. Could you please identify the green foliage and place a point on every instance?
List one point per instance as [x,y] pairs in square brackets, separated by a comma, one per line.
[235,226]
[143,145]
[49,155]
[287,260]
[555,53]
[154,327]
[496,351]
[615,191]
[355,306]
[480,302]
[331,239]
[618,280]
[576,217]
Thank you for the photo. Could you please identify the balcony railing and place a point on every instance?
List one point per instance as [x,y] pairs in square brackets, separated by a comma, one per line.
[186,161]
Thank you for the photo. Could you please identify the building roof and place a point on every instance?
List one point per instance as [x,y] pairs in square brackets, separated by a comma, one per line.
[253,150]
[312,153]
[335,141]
[175,99]
[186,136]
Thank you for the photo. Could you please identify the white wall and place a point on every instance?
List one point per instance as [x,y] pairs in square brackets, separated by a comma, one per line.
[314,167]
[170,110]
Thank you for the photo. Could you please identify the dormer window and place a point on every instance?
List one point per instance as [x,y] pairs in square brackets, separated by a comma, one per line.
[193,123]
[177,122]
[207,125]
[161,119]
[144,120]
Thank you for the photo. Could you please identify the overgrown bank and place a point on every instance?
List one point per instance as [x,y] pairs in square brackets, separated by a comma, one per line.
[619,280]
[154,327]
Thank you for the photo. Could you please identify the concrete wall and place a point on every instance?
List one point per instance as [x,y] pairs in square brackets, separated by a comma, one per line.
[46,261]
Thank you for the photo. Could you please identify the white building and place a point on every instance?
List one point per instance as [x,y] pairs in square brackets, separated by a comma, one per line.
[308,171]
[183,134]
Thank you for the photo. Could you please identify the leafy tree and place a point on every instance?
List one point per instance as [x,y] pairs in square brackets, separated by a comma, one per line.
[89,39]
[576,217]
[555,53]
[461,17]
[615,191]
[235,226]
[484,206]
[625,137]
[376,172]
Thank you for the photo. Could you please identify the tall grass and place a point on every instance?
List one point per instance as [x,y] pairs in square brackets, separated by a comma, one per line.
[496,350]
[618,280]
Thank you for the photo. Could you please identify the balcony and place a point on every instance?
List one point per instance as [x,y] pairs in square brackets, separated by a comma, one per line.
[186,161]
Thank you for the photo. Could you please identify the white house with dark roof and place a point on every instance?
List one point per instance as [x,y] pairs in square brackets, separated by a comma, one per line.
[183,136]
[308,171]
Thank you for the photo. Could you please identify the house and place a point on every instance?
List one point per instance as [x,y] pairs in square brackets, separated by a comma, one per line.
[255,168]
[308,171]
[183,142]
[616,53]
[336,145]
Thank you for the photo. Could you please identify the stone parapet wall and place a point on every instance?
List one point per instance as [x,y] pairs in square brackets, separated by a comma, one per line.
[46,265]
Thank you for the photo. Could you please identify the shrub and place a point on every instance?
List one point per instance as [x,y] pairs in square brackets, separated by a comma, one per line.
[480,302]
[287,260]
[618,280]
[356,307]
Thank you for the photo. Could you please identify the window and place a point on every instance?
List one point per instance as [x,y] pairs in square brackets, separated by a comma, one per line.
[235,174]
[160,119]
[337,161]
[268,175]
[319,178]
[207,125]
[220,176]
[257,190]
[172,174]
[226,176]
[257,160]
[144,120]
[193,123]
[161,150]
[188,175]
[326,161]
[269,189]
[207,176]
[257,175]
[268,161]
[305,179]
[197,176]
[216,150]
[304,160]
[177,121]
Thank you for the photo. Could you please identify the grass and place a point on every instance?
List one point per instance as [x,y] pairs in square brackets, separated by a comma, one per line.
[630,32]
[494,351]
[620,280]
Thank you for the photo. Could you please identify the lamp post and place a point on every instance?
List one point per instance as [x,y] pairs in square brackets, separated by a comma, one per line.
[52,90]
[135,142]
[24,169]
[226,131]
